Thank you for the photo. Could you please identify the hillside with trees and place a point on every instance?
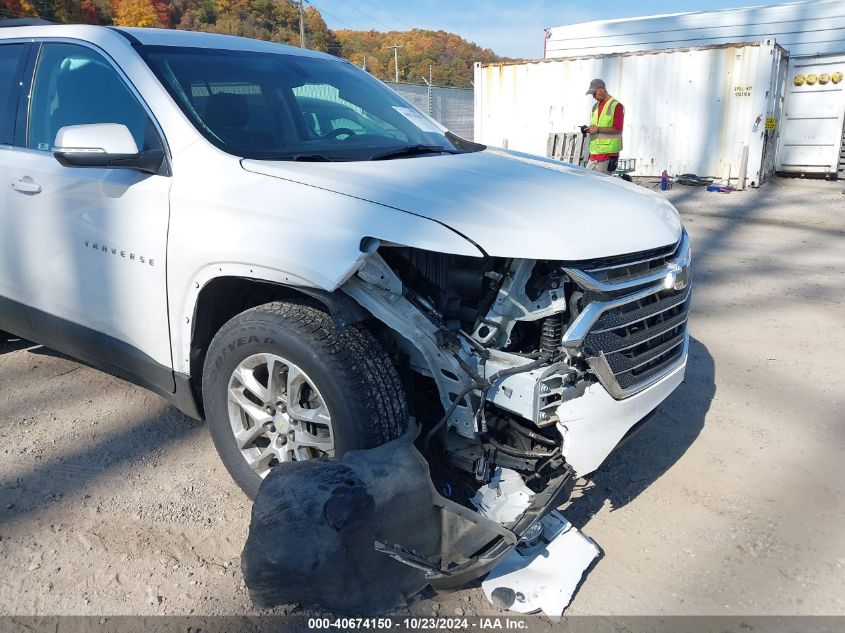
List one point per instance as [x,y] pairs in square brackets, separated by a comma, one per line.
[450,56]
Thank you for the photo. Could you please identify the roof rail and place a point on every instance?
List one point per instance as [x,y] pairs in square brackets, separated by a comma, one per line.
[26,22]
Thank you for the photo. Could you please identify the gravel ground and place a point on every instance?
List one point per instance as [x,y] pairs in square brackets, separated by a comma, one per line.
[731,502]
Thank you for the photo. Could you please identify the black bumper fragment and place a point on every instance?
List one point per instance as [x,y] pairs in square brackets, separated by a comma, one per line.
[365,533]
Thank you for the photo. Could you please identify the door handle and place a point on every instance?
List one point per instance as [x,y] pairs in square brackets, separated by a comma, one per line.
[26,185]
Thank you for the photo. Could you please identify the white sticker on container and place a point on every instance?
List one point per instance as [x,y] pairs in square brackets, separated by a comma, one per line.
[418,119]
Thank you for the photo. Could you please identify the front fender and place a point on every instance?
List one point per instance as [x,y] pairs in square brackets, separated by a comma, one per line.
[226,221]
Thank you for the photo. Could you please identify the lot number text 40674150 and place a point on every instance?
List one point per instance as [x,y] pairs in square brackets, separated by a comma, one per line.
[420,623]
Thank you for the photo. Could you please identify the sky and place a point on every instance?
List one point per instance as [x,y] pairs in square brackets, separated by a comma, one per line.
[513,28]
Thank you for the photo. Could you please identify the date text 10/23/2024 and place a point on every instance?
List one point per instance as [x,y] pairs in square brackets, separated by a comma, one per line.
[423,623]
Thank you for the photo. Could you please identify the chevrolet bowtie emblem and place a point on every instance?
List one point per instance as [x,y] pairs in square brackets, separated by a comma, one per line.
[677,277]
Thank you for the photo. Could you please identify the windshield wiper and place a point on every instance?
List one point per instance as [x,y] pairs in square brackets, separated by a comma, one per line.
[312,158]
[413,150]
[304,157]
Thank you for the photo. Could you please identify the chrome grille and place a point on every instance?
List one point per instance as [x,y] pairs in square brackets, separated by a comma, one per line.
[633,329]
[628,267]
[642,338]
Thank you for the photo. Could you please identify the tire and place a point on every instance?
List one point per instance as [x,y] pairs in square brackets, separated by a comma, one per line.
[344,375]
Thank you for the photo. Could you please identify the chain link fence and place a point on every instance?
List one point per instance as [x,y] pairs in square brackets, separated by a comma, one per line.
[452,107]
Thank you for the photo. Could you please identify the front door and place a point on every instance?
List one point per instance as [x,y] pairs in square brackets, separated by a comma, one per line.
[92,241]
[13,59]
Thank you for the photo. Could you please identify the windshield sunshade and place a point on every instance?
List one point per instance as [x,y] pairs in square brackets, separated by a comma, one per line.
[290,107]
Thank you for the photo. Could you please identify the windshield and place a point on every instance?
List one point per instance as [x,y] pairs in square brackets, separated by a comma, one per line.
[277,106]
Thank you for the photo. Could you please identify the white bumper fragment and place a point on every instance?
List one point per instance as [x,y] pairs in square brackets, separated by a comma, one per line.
[593,424]
[543,577]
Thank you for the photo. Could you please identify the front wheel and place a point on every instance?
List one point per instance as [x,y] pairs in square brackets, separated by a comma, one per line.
[282,383]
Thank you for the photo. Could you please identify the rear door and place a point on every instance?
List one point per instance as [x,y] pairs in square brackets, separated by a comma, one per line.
[13,60]
[92,240]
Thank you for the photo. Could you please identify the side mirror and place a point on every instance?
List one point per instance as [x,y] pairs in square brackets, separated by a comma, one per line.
[108,145]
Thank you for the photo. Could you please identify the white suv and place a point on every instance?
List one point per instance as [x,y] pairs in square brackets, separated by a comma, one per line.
[277,242]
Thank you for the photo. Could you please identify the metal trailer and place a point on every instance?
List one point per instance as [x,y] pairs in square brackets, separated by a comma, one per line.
[812,135]
[687,110]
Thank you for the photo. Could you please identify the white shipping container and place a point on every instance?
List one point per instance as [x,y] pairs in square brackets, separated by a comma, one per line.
[687,110]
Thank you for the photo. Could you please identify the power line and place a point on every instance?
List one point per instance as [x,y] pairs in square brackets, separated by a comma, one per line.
[333,17]
[366,15]
[386,12]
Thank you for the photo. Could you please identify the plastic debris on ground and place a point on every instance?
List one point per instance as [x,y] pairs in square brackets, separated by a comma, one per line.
[542,575]
[692,180]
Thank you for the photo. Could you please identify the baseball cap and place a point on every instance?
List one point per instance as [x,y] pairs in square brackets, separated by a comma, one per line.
[595,83]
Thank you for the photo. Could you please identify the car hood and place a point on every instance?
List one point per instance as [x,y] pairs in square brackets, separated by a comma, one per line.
[509,204]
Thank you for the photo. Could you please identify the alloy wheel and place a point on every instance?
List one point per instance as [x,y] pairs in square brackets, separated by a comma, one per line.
[277,413]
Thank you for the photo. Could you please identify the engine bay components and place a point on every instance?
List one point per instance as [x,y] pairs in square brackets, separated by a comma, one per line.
[504,498]
[487,333]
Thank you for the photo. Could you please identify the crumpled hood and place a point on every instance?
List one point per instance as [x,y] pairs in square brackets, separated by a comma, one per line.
[509,204]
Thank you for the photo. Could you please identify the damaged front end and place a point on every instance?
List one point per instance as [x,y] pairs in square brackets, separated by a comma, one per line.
[511,349]
[522,375]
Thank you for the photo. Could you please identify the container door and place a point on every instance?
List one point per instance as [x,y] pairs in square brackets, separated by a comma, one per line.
[811,134]
[774,111]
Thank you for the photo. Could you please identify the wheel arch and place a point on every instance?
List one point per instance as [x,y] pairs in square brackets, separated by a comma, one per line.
[226,296]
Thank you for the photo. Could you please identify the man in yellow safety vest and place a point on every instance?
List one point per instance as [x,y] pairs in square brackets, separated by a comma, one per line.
[605,129]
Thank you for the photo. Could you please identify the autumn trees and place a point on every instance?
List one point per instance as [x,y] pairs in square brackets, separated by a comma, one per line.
[142,13]
[75,11]
[450,56]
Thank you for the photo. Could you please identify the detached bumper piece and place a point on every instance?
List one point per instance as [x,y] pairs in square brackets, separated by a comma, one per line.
[542,573]
[364,534]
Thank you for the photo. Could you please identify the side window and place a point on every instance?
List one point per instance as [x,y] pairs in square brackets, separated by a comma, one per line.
[236,112]
[74,85]
[12,61]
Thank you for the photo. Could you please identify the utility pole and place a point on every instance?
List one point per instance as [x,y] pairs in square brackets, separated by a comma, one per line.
[396,48]
[301,26]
